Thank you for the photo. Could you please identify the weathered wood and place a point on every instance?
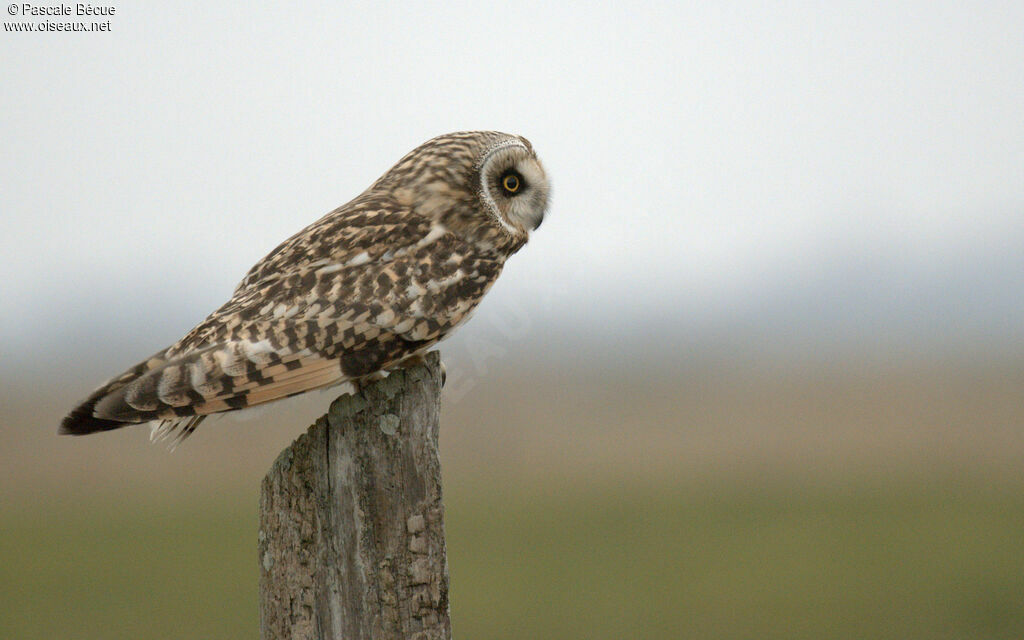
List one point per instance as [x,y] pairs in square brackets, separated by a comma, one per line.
[351,540]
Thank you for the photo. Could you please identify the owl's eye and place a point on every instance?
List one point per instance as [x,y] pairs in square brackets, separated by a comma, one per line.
[511,182]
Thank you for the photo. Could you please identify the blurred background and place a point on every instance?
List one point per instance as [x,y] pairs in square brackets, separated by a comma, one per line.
[759,375]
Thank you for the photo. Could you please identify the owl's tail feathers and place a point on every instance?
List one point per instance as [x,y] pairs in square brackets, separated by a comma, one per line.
[81,420]
[86,418]
[179,390]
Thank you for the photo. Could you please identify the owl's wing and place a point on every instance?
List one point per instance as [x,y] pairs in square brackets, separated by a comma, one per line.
[309,326]
[229,375]
[361,230]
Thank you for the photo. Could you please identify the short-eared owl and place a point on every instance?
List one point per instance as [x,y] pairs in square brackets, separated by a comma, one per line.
[368,287]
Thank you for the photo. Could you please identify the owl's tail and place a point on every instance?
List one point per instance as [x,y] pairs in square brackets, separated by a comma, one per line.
[180,389]
[84,419]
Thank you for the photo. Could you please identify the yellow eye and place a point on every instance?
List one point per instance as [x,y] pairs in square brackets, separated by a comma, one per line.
[510,183]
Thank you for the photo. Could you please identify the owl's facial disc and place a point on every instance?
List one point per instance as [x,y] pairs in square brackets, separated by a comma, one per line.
[514,187]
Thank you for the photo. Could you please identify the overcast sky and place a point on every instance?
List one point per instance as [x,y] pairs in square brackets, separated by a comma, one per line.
[744,167]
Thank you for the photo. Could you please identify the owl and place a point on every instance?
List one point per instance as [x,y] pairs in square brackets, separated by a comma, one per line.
[369,287]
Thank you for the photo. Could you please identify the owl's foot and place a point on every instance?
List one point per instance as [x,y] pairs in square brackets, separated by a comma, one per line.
[421,358]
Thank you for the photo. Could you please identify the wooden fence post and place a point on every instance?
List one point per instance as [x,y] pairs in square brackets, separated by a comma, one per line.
[351,539]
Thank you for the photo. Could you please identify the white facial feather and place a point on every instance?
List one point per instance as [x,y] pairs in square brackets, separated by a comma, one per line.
[525,209]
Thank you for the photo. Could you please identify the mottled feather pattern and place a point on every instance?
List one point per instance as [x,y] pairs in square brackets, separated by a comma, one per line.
[375,282]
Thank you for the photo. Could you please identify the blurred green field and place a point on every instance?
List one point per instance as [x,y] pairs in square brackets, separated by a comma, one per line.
[896,559]
[732,499]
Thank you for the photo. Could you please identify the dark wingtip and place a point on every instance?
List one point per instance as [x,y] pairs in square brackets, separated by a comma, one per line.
[83,419]
[82,422]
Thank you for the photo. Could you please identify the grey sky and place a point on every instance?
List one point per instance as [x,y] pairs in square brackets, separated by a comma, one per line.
[712,164]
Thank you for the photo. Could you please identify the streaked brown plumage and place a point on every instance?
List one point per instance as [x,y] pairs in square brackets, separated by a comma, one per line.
[376,282]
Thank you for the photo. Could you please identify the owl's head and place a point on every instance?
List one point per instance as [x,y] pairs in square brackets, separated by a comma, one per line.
[512,184]
[476,182]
